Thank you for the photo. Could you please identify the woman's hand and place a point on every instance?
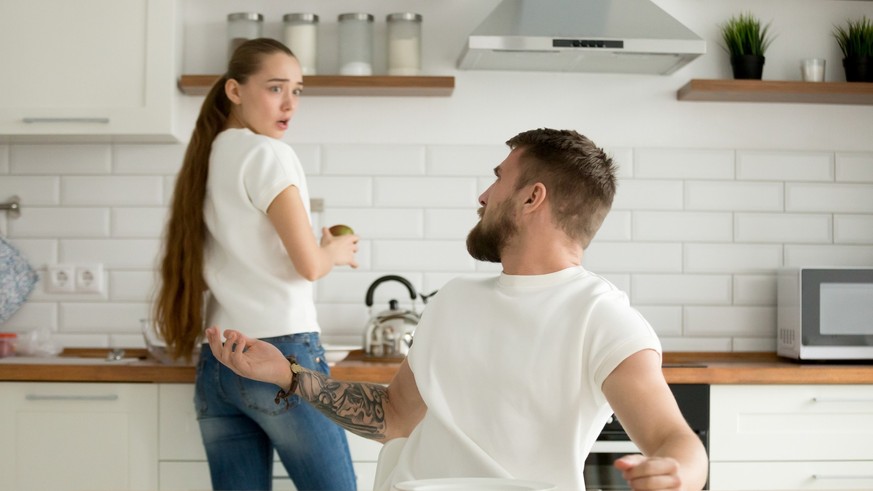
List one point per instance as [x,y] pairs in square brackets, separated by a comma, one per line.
[250,358]
[340,248]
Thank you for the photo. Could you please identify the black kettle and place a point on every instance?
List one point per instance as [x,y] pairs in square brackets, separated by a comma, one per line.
[389,333]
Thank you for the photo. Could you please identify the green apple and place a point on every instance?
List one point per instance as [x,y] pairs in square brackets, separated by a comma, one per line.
[341,230]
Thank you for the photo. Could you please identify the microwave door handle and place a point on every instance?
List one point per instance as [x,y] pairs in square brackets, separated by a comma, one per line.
[842,399]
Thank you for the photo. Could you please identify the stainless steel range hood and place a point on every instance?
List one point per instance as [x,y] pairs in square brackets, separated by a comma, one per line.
[615,36]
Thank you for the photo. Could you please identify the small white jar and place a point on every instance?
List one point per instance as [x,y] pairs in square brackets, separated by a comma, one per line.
[355,44]
[241,27]
[301,37]
[404,43]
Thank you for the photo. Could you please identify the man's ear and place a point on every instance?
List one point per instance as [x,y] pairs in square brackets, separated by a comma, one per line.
[536,196]
[231,89]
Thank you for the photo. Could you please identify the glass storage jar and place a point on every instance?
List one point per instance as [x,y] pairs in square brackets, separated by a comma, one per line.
[241,27]
[404,43]
[301,37]
[355,44]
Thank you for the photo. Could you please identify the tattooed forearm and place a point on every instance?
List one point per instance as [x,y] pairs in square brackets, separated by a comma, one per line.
[357,407]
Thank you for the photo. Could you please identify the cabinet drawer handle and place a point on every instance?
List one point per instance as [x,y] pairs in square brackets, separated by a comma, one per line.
[66,120]
[55,397]
[842,476]
[841,399]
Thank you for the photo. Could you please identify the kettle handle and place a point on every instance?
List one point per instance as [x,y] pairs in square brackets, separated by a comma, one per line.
[368,300]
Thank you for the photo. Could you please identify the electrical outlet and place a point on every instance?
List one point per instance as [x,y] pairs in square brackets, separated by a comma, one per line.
[61,278]
[89,278]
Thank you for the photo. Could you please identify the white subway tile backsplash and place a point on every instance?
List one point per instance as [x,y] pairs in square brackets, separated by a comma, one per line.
[730,321]
[132,286]
[853,229]
[695,344]
[679,289]
[138,222]
[732,258]
[4,159]
[376,223]
[855,167]
[310,157]
[431,192]
[61,222]
[620,281]
[754,345]
[755,289]
[785,166]
[464,160]
[454,224]
[60,159]
[436,280]
[775,227]
[665,320]
[737,196]
[666,163]
[682,226]
[623,159]
[85,340]
[115,317]
[32,191]
[112,253]
[833,198]
[342,323]
[112,190]
[169,185]
[418,255]
[616,227]
[38,252]
[633,257]
[351,287]
[31,316]
[147,159]
[372,160]
[828,255]
[633,194]
[341,191]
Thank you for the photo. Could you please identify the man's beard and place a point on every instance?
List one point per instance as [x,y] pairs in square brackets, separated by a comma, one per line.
[485,242]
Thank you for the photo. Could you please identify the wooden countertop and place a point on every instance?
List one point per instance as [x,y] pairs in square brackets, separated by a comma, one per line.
[679,368]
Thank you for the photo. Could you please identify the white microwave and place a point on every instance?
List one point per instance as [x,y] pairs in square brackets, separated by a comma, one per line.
[825,313]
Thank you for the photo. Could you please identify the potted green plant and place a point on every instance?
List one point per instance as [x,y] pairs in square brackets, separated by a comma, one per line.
[856,42]
[746,40]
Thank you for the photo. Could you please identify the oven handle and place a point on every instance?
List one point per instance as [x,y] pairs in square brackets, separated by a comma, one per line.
[623,447]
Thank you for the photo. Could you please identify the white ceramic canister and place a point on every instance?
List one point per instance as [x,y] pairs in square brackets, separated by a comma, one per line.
[404,43]
[355,44]
[241,27]
[301,36]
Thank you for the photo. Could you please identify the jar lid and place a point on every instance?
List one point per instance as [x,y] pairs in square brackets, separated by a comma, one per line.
[300,17]
[355,16]
[8,335]
[245,16]
[403,16]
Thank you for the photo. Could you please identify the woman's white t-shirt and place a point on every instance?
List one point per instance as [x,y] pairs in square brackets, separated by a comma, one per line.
[253,284]
[511,370]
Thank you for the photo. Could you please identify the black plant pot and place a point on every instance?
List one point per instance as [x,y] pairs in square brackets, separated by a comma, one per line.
[747,67]
[858,68]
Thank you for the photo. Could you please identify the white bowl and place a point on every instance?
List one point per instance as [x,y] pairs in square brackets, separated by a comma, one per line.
[472,483]
[335,353]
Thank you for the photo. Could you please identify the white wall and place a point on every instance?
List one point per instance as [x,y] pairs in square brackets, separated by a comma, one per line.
[713,198]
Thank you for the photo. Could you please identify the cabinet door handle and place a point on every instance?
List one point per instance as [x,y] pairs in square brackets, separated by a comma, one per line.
[842,476]
[66,120]
[58,397]
[842,399]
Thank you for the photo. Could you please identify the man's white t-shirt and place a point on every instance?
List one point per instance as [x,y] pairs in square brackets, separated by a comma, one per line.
[511,370]
[253,284]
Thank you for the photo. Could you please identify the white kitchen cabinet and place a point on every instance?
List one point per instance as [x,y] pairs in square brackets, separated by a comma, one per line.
[182,459]
[78,436]
[777,437]
[100,70]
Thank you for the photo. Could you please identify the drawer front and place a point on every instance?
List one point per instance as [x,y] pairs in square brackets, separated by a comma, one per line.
[791,422]
[760,476]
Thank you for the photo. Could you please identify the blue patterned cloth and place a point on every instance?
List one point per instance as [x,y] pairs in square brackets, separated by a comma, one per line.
[17,279]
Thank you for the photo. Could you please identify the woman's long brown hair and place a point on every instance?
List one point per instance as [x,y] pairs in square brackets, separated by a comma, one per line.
[178,312]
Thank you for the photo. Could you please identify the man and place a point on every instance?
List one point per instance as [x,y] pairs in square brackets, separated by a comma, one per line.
[515,376]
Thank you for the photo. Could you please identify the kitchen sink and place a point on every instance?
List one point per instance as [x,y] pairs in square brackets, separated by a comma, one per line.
[62,360]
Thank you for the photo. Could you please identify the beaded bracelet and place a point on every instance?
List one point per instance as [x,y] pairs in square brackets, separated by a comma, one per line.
[295,369]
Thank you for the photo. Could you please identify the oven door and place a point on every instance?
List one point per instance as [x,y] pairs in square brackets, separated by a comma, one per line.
[599,473]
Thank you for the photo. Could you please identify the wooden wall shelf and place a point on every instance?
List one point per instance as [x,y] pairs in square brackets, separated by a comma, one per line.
[777,91]
[339,85]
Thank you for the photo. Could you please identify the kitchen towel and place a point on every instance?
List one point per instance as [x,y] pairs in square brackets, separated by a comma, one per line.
[17,279]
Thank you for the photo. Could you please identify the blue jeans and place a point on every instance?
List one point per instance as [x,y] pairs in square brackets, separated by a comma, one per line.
[241,425]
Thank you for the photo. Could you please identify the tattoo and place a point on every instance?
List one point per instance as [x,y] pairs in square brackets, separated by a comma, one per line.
[357,407]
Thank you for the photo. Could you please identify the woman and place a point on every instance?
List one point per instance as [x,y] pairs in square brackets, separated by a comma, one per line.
[240,229]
